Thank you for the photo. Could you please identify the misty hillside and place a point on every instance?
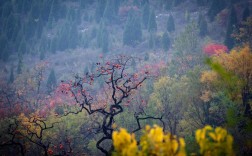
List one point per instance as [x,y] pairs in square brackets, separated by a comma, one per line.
[74,71]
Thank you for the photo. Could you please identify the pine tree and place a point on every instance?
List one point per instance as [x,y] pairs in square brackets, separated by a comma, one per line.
[3,48]
[168,5]
[51,81]
[187,16]
[11,79]
[132,32]
[42,55]
[245,14]
[170,24]
[177,2]
[143,2]
[232,21]
[99,34]
[100,7]
[200,2]
[56,12]
[215,8]
[20,65]
[152,24]
[166,41]
[151,41]
[109,12]
[136,3]
[22,49]
[105,41]
[146,15]
[202,26]
[146,57]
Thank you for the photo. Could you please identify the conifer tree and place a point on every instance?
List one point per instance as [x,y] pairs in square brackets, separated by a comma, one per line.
[22,47]
[168,4]
[99,10]
[51,81]
[145,15]
[177,2]
[215,8]
[3,47]
[166,41]
[132,32]
[200,2]
[202,26]
[152,24]
[99,34]
[11,79]
[109,12]
[151,41]
[143,2]
[232,21]
[42,55]
[245,14]
[170,24]
[20,65]
[105,41]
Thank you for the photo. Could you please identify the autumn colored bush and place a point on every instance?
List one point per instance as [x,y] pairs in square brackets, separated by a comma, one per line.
[212,142]
[213,49]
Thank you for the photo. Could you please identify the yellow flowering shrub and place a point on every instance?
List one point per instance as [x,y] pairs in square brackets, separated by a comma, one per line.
[124,143]
[154,142]
[214,142]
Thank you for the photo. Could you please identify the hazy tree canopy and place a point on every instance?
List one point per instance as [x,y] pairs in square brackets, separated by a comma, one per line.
[125,77]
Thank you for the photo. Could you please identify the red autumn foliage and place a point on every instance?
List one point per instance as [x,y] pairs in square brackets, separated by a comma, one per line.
[214,49]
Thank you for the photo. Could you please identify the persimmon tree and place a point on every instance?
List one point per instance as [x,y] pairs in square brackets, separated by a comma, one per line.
[22,124]
[120,85]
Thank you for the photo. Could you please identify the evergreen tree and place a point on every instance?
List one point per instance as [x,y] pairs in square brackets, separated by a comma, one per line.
[202,26]
[245,14]
[99,34]
[168,4]
[232,21]
[145,15]
[170,24]
[11,79]
[132,32]
[177,2]
[99,10]
[151,41]
[56,12]
[22,49]
[136,3]
[146,56]
[105,41]
[42,55]
[35,10]
[187,16]
[20,65]
[200,2]
[143,2]
[152,24]
[86,70]
[109,12]
[166,41]
[215,8]
[73,36]
[3,48]
[51,81]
